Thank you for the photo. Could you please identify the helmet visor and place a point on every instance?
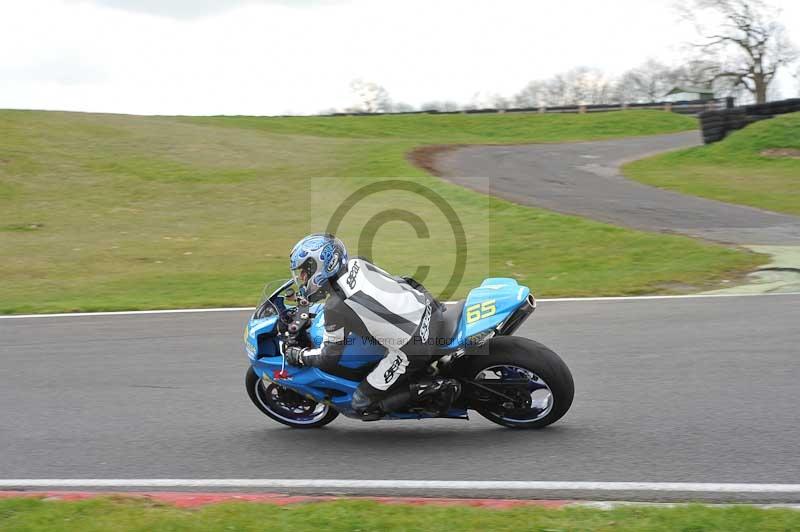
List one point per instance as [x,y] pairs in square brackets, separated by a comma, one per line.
[303,273]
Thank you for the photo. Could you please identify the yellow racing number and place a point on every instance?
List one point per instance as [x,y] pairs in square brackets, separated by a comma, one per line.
[478,311]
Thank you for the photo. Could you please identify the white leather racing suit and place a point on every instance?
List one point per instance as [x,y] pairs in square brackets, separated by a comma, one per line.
[399,314]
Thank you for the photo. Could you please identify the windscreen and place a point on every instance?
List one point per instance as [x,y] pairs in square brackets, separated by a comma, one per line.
[276,296]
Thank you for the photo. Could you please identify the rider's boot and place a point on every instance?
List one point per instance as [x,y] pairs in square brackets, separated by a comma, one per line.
[372,411]
[395,401]
[437,393]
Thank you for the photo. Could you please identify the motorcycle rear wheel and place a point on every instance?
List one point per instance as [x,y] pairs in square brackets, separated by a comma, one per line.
[286,406]
[550,383]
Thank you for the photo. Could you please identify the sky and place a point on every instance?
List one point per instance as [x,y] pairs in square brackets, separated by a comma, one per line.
[263,57]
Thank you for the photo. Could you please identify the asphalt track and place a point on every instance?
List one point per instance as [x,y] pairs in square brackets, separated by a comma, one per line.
[667,390]
[583,178]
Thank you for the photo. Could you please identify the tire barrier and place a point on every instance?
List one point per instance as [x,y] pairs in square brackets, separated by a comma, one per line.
[717,124]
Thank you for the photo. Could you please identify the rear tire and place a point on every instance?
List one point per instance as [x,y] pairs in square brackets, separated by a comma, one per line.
[262,397]
[534,357]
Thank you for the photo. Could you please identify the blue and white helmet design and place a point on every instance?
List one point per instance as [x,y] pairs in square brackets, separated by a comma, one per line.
[314,260]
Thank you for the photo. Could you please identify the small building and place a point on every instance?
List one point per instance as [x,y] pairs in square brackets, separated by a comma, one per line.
[689,94]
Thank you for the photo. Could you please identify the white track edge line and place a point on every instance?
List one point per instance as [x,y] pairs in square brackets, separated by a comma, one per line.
[243,309]
[404,484]
[647,298]
[126,313]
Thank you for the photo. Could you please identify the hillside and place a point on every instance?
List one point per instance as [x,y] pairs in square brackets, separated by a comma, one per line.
[102,212]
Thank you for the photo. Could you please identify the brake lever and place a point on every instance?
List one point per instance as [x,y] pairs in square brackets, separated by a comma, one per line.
[282,373]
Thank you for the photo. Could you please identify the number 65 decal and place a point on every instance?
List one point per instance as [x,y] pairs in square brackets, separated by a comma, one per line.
[478,311]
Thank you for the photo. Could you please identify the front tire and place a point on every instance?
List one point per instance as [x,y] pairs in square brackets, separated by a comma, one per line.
[548,375]
[287,406]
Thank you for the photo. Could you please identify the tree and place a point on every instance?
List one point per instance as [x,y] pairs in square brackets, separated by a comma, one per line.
[796,76]
[436,105]
[402,107]
[699,73]
[499,101]
[370,97]
[749,41]
[648,82]
[531,95]
[486,100]
[577,86]
[557,91]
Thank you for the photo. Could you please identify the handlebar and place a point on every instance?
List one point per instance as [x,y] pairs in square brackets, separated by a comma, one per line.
[300,320]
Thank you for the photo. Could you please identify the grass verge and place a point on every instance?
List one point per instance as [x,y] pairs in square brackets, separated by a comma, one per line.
[467,128]
[123,515]
[113,212]
[757,166]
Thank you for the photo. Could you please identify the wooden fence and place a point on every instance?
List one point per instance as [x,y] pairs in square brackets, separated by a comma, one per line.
[684,107]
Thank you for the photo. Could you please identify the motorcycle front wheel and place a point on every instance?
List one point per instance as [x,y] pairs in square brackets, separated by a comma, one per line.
[539,383]
[287,406]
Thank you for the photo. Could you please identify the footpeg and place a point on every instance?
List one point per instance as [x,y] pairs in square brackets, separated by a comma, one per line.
[439,393]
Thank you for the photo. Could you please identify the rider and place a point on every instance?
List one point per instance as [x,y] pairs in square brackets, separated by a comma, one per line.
[398,313]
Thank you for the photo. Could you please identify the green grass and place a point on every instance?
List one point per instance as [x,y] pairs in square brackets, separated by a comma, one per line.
[734,170]
[472,128]
[112,212]
[124,515]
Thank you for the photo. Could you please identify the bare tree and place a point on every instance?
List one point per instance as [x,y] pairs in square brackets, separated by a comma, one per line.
[557,91]
[623,92]
[437,105]
[402,107]
[448,106]
[499,101]
[487,100]
[698,73]
[580,85]
[749,40]
[531,95]
[370,97]
[796,77]
[648,82]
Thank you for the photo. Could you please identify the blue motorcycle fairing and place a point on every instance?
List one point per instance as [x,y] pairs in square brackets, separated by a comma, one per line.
[492,303]
[255,328]
[310,382]
[325,388]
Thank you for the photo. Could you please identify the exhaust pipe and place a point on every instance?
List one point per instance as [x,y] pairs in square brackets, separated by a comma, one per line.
[517,318]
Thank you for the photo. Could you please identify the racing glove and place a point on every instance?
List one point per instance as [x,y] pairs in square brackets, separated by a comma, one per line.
[294,355]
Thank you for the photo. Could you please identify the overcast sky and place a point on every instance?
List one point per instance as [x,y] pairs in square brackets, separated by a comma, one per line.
[285,56]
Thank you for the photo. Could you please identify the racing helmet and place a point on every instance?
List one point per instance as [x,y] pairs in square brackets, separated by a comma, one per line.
[315,260]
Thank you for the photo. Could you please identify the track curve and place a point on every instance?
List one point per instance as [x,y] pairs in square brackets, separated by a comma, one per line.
[583,178]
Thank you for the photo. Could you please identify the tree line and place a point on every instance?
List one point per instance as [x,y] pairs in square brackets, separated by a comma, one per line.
[737,54]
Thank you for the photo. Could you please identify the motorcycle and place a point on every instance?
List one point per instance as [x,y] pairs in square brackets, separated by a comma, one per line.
[512,381]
